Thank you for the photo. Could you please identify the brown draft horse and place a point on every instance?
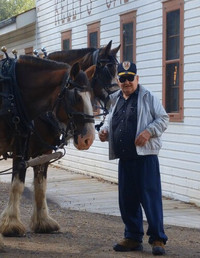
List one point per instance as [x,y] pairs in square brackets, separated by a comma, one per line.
[39,82]
[74,113]
[100,66]
[101,77]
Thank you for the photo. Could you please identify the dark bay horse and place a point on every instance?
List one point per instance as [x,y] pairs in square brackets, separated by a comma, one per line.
[72,107]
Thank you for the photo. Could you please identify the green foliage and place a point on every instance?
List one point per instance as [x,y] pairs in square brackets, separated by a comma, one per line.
[9,8]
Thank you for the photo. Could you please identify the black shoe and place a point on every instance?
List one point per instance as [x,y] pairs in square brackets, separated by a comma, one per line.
[127,245]
[158,248]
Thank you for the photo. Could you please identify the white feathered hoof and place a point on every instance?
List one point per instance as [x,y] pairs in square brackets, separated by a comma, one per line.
[45,226]
[12,229]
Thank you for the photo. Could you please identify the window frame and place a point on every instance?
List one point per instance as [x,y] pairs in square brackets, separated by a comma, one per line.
[66,35]
[93,27]
[170,6]
[128,18]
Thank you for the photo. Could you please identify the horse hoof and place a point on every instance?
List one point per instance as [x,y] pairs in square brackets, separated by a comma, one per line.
[13,234]
[48,230]
[45,226]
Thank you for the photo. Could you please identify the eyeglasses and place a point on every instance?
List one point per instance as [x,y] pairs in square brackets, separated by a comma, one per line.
[130,78]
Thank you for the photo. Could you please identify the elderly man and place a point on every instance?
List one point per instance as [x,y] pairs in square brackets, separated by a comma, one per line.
[134,128]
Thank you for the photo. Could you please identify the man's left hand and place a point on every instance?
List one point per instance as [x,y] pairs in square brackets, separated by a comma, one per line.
[142,138]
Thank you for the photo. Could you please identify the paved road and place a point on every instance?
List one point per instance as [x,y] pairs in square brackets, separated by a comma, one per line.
[81,192]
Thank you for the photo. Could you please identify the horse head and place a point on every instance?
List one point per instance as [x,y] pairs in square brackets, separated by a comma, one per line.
[104,79]
[76,112]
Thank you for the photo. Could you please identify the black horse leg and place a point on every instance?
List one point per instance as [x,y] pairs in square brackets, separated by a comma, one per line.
[10,223]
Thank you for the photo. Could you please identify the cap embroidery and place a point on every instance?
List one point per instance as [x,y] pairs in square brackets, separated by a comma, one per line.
[126,65]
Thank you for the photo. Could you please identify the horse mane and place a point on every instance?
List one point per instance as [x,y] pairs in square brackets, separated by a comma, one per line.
[42,63]
[60,55]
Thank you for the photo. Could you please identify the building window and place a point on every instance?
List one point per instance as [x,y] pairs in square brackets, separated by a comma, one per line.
[173,26]
[94,35]
[128,37]
[66,40]
[29,51]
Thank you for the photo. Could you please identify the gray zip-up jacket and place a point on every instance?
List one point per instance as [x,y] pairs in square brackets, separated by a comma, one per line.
[151,116]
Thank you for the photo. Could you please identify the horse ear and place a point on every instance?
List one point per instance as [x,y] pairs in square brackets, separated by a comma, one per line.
[90,71]
[114,51]
[106,49]
[75,70]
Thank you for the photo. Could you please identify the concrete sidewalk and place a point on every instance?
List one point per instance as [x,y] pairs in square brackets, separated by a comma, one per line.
[81,192]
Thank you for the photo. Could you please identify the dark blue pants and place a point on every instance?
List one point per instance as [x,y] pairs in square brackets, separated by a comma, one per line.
[140,185]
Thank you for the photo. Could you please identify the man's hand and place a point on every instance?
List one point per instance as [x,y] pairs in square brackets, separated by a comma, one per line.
[142,138]
[103,135]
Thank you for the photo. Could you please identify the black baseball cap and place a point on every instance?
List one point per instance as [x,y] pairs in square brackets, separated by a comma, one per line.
[126,68]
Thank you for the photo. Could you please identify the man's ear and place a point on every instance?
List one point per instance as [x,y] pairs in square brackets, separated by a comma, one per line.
[137,78]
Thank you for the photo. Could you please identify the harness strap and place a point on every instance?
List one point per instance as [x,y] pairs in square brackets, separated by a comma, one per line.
[44,143]
[25,123]
[98,126]
[12,99]
[4,112]
[5,95]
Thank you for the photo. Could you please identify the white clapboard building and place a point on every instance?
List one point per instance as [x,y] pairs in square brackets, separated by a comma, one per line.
[19,33]
[163,38]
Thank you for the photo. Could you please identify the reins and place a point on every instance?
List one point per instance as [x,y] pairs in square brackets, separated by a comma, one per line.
[4,172]
[104,114]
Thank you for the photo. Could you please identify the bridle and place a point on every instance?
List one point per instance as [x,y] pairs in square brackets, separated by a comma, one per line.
[65,132]
[102,67]
[72,115]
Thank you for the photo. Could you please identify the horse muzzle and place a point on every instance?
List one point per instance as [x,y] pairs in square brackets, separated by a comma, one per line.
[83,142]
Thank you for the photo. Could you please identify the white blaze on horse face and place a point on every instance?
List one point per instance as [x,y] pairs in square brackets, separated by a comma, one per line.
[86,139]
